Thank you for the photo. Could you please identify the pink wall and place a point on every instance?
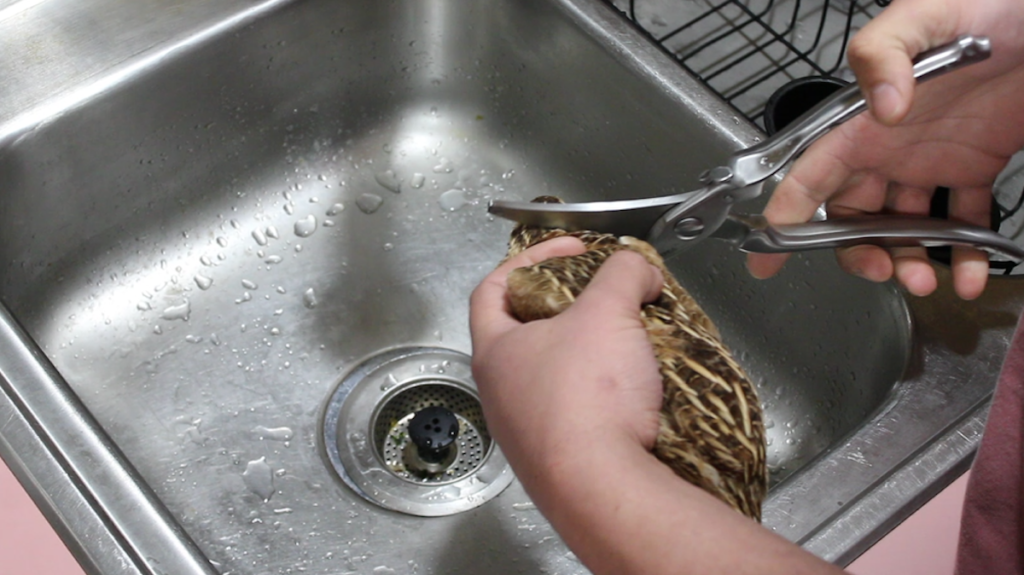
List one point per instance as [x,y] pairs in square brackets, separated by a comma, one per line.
[28,546]
[924,544]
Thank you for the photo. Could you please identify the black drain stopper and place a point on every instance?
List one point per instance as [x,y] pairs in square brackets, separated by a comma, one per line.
[433,430]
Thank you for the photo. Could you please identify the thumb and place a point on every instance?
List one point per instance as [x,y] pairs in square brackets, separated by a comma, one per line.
[624,282]
[882,53]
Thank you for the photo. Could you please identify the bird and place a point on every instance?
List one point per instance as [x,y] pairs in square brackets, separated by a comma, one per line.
[711,424]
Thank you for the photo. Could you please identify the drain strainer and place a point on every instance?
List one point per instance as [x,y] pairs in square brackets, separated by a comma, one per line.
[405,430]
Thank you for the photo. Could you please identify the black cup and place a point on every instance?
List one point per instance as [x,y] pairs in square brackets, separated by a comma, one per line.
[796,97]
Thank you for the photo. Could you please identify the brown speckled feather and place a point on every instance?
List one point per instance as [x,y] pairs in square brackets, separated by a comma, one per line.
[712,430]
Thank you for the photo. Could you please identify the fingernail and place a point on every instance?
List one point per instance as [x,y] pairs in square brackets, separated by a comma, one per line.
[885,102]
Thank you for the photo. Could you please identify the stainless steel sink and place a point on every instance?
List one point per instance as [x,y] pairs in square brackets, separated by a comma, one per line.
[211,218]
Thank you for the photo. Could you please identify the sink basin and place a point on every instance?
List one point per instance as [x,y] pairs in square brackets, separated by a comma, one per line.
[213,223]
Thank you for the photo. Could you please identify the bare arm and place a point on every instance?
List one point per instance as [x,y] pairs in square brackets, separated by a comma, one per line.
[574,400]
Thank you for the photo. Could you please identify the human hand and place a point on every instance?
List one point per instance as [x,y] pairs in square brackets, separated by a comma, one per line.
[582,382]
[574,402]
[957,131]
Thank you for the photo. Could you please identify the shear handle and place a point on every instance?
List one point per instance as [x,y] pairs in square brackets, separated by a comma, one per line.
[754,234]
[757,163]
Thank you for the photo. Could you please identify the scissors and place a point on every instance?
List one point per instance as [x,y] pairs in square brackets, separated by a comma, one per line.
[676,222]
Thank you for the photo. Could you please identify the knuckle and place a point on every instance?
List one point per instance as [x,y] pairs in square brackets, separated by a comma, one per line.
[860,52]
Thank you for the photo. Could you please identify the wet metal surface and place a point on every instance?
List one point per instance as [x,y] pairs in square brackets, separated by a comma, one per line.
[206,232]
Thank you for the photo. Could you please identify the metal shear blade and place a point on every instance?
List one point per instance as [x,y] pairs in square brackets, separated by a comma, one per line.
[619,217]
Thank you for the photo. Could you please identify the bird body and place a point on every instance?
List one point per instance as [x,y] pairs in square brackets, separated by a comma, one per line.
[711,430]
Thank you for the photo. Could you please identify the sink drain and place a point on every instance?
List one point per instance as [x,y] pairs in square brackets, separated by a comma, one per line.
[405,430]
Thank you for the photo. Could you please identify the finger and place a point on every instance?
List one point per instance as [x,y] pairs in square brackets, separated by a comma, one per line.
[881,53]
[914,270]
[871,194]
[902,199]
[970,266]
[866,261]
[970,272]
[764,266]
[865,193]
[814,177]
[911,266]
[622,285]
[488,307]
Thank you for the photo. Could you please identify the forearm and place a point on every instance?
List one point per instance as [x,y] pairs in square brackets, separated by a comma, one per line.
[622,512]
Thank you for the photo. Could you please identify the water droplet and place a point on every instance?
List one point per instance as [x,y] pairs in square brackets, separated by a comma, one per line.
[206,261]
[309,298]
[389,181]
[259,478]
[274,433]
[245,297]
[249,284]
[272,232]
[203,282]
[275,259]
[179,311]
[453,199]
[416,181]
[260,237]
[289,208]
[389,382]
[335,209]
[444,166]
[144,306]
[389,246]
[369,203]
[193,339]
[281,290]
[383,570]
[222,241]
[306,226]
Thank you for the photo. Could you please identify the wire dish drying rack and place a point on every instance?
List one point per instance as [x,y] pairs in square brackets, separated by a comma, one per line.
[745,50]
